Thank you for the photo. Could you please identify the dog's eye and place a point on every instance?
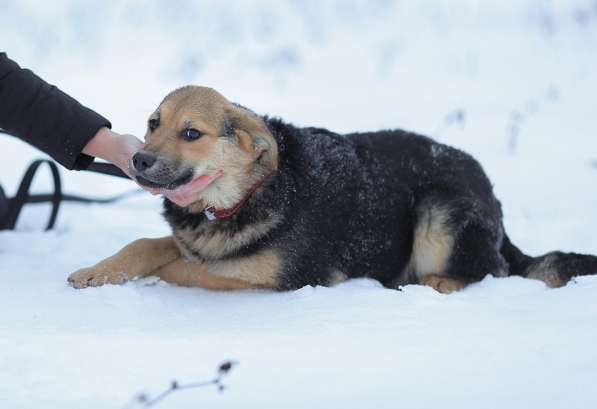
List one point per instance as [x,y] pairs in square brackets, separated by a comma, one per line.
[153,124]
[191,134]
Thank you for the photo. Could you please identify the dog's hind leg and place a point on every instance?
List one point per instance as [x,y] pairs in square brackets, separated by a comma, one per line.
[454,245]
[476,253]
[137,259]
[442,284]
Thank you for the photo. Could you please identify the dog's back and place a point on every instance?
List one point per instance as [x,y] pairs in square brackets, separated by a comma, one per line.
[401,208]
[359,196]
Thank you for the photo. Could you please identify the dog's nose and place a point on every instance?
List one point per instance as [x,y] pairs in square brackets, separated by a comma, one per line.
[143,161]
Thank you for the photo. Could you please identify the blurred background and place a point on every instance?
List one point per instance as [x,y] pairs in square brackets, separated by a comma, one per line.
[512,82]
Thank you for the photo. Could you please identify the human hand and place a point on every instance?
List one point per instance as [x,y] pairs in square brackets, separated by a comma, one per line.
[115,148]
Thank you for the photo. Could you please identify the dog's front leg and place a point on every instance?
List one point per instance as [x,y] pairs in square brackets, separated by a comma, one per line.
[137,259]
[194,274]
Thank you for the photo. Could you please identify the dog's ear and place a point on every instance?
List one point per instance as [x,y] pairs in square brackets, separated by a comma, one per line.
[262,142]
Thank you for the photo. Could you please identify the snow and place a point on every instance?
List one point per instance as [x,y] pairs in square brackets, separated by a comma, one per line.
[525,64]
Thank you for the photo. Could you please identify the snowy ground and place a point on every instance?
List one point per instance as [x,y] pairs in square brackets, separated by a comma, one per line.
[347,65]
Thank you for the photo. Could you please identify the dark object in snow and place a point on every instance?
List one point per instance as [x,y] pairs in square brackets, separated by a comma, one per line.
[144,401]
[225,367]
[307,206]
[10,208]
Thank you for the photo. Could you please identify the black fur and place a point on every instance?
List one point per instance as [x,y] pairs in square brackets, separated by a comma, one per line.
[350,204]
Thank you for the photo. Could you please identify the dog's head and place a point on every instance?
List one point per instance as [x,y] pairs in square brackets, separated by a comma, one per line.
[197,136]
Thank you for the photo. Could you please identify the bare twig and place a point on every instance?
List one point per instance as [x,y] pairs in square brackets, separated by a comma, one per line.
[144,401]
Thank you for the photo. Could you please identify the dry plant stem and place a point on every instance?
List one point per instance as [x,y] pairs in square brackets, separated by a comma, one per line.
[223,370]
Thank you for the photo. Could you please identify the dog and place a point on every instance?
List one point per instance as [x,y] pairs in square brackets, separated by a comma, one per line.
[283,207]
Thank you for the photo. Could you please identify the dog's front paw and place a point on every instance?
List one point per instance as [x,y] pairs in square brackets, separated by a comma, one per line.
[95,277]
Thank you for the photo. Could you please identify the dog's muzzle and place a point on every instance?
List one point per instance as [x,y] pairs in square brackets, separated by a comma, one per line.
[151,171]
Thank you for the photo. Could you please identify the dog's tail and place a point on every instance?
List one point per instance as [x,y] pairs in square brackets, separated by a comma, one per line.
[555,268]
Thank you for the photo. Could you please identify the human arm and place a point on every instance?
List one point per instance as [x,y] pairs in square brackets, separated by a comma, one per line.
[45,117]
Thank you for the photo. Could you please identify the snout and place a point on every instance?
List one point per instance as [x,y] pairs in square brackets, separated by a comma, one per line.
[143,161]
[152,170]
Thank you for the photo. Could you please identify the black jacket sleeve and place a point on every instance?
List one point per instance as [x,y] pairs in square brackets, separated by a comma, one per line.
[45,117]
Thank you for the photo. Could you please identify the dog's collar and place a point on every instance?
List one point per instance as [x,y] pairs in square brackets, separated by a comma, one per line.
[216,214]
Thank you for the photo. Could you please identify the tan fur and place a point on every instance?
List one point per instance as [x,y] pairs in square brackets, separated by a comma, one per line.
[135,260]
[444,285]
[546,272]
[161,257]
[260,269]
[433,243]
[214,243]
[337,278]
[240,162]
[191,274]
[256,271]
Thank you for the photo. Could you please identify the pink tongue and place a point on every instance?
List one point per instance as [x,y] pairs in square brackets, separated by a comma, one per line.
[195,185]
